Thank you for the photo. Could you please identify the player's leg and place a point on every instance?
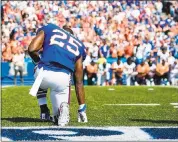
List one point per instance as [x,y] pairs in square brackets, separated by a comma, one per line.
[15,76]
[107,78]
[21,74]
[99,79]
[94,79]
[173,75]
[128,80]
[103,79]
[148,80]
[60,96]
[166,78]
[42,102]
[41,96]
[60,104]
[138,81]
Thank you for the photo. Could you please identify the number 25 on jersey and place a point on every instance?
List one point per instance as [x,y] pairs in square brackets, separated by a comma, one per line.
[73,45]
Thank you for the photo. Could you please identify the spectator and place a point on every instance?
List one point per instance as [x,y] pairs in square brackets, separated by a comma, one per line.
[174,73]
[113,51]
[117,72]
[163,54]
[103,75]
[143,70]
[94,51]
[92,70]
[162,70]
[6,53]
[18,62]
[159,6]
[151,74]
[86,62]
[104,50]
[129,70]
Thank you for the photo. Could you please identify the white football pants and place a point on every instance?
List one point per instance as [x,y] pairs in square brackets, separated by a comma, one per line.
[101,79]
[173,75]
[128,78]
[59,84]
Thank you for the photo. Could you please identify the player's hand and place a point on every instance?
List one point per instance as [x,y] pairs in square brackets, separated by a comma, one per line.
[82,116]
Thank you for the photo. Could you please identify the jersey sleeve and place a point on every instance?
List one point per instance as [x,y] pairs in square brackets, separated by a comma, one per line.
[44,28]
[82,53]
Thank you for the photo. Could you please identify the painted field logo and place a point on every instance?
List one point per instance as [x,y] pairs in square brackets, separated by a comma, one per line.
[88,133]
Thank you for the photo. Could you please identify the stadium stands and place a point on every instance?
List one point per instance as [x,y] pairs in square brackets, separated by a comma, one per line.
[115,30]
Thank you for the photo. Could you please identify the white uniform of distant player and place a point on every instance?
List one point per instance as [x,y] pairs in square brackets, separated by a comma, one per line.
[116,66]
[151,74]
[163,56]
[103,74]
[174,74]
[129,72]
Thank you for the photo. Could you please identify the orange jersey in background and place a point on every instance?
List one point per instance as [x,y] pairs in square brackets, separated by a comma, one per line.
[92,69]
[162,69]
[143,70]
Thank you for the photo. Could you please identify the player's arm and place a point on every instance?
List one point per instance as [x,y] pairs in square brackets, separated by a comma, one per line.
[79,88]
[35,46]
[78,81]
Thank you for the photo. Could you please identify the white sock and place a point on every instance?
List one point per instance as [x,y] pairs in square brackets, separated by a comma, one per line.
[81,106]
[42,101]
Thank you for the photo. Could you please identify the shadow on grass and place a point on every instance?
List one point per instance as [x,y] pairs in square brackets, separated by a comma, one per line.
[23,119]
[155,121]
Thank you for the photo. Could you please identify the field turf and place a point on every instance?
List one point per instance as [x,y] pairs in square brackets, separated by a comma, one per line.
[21,109]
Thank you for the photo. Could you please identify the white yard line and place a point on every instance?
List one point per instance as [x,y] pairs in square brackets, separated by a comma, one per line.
[5,86]
[150,89]
[174,104]
[111,89]
[132,104]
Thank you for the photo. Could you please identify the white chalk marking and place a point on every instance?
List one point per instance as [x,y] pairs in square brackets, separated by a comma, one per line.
[111,89]
[6,139]
[5,86]
[174,104]
[150,89]
[132,104]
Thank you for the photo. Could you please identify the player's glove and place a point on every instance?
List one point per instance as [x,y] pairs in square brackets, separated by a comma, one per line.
[82,117]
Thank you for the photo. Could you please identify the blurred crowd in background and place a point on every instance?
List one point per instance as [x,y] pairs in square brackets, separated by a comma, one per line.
[128,42]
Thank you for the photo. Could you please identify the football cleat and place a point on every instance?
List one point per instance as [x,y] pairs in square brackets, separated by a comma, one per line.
[45,116]
[63,116]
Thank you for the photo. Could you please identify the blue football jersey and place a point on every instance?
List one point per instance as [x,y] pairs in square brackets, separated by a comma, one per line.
[60,47]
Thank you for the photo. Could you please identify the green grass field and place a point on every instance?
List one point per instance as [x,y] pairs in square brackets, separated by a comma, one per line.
[21,109]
